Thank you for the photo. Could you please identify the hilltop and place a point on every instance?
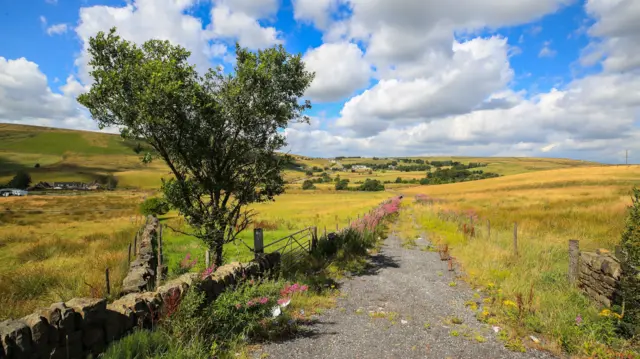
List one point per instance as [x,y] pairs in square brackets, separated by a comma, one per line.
[52,154]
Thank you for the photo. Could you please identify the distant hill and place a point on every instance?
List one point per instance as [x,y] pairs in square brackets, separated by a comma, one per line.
[51,154]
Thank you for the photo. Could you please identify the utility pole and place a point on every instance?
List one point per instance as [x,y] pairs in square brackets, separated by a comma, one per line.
[626,157]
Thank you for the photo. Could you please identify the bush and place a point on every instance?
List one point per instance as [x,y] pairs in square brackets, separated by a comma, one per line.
[342,185]
[370,185]
[37,165]
[307,185]
[630,243]
[154,206]
[309,173]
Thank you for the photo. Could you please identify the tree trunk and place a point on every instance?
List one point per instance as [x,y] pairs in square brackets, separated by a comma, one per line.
[218,252]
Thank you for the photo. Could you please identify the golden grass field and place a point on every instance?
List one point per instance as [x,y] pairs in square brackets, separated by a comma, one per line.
[551,207]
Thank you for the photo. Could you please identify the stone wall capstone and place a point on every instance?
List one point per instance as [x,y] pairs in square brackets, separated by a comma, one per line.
[599,276]
[83,326]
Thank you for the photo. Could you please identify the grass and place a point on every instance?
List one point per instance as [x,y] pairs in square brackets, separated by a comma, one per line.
[588,204]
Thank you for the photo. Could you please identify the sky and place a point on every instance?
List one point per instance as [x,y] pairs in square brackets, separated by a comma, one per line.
[543,78]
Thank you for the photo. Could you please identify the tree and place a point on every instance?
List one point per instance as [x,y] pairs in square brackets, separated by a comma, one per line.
[399,180]
[342,185]
[217,133]
[37,165]
[308,184]
[370,185]
[154,206]
[309,173]
[630,243]
[22,180]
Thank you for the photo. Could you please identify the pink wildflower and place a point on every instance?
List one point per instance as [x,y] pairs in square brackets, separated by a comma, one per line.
[263,300]
[250,303]
[304,288]
[282,301]
[238,305]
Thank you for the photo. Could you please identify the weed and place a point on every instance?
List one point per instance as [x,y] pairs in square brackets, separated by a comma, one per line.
[454,333]
[480,339]
[452,284]
[456,320]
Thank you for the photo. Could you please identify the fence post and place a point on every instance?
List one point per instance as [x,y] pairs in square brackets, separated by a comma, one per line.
[574,260]
[314,238]
[129,252]
[207,258]
[258,243]
[515,238]
[488,228]
[108,284]
[337,229]
[135,243]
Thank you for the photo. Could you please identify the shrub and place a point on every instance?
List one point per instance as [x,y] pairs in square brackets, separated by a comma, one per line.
[37,165]
[370,185]
[342,185]
[21,180]
[630,243]
[154,206]
[307,185]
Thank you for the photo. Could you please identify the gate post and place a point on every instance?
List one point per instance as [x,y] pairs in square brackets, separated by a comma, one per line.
[314,238]
[258,242]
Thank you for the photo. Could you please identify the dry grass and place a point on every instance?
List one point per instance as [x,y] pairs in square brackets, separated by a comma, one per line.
[551,207]
[54,248]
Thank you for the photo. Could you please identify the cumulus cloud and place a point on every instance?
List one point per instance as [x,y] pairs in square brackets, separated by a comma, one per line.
[248,31]
[616,34]
[393,102]
[339,71]
[317,12]
[25,97]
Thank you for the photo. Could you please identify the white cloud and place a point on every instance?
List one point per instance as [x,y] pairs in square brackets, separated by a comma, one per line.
[547,51]
[340,70]
[616,34]
[317,12]
[447,91]
[254,8]
[57,29]
[43,20]
[248,31]
[26,98]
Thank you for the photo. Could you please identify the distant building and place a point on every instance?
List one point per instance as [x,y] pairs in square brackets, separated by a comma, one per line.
[6,192]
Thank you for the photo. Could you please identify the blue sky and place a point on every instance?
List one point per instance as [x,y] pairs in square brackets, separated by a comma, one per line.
[459,77]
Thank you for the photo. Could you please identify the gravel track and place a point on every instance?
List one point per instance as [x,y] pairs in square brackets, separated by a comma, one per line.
[408,293]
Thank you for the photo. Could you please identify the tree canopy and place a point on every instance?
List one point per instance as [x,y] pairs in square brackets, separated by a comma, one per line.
[218,133]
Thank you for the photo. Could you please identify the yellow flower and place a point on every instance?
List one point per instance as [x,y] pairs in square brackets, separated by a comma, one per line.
[605,313]
[485,313]
[509,303]
[490,285]
[618,316]
[486,300]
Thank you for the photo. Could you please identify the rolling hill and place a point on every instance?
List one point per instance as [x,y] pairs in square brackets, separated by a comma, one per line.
[51,154]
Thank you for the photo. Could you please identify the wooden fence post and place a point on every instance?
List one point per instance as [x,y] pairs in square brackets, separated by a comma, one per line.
[314,238]
[574,260]
[108,284]
[258,243]
[488,228]
[325,232]
[515,238]
[337,229]
[129,252]
[135,244]
[207,258]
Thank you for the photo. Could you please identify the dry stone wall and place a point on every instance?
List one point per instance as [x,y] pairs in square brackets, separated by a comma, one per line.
[142,271]
[599,276]
[84,326]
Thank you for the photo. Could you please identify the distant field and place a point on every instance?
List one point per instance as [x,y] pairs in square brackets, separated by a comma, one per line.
[585,203]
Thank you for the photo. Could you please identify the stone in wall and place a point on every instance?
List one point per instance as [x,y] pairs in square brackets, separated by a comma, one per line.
[599,276]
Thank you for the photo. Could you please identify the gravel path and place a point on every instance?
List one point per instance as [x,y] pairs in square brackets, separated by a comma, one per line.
[402,308]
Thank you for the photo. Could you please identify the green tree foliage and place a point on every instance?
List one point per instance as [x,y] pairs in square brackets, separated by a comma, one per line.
[154,206]
[217,133]
[22,180]
[308,184]
[399,180]
[630,243]
[342,185]
[309,173]
[370,185]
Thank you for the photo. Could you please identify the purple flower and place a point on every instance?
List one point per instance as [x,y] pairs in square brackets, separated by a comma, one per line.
[578,319]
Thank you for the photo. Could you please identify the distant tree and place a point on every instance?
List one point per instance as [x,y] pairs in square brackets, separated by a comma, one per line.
[37,165]
[370,185]
[308,184]
[399,180]
[309,173]
[154,206]
[370,172]
[22,180]
[337,179]
[342,185]
[109,181]
[138,148]
[218,133]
